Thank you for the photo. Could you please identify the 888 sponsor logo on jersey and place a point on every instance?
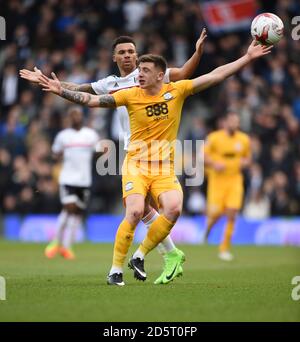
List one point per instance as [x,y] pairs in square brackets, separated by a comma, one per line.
[157,110]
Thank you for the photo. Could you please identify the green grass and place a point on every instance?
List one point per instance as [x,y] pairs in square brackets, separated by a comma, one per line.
[256,286]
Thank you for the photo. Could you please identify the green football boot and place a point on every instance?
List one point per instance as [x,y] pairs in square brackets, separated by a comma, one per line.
[172,267]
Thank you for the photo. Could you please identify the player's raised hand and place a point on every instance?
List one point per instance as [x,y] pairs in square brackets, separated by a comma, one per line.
[200,41]
[29,75]
[256,50]
[52,85]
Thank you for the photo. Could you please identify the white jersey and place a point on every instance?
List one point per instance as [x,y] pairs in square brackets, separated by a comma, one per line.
[111,84]
[77,148]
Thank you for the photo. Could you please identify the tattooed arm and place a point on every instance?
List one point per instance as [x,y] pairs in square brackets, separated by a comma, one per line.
[85,87]
[55,86]
[33,76]
[106,101]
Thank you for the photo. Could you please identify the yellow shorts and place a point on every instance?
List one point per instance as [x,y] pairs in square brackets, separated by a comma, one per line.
[136,181]
[224,193]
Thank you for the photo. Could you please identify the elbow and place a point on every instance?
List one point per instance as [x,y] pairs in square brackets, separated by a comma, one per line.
[183,75]
[216,78]
[92,102]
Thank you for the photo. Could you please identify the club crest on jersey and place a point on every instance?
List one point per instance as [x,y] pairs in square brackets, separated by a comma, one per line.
[128,186]
[168,96]
[238,146]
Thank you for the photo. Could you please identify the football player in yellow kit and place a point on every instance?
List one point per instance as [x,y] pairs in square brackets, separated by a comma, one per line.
[125,56]
[154,109]
[227,153]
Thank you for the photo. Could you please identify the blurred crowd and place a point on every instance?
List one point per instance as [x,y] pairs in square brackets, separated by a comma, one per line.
[73,39]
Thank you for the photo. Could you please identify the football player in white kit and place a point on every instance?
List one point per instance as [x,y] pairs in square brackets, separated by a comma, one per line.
[125,56]
[76,146]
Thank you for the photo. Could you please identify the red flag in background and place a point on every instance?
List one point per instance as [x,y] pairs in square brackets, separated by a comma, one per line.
[228,15]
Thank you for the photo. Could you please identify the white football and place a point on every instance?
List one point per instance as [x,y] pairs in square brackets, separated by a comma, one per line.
[267,28]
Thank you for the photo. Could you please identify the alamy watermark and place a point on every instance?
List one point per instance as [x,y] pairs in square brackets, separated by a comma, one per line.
[158,157]
[296,290]
[2,288]
[296,30]
[2,29]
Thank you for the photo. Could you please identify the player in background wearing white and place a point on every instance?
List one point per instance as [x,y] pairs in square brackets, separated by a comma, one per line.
[76,146]
[125,56]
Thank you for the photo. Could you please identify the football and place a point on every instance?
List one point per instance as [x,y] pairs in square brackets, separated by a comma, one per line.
[267,28]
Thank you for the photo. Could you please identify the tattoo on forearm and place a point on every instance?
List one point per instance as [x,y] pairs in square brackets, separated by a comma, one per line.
[86,87]
[69,86]
[76,97]
[107,101]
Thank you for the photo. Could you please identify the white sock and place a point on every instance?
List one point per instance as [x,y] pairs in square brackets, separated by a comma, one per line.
[115,269]
[167,245]
[138,254]
[73,223]
[150,217]
[61,223]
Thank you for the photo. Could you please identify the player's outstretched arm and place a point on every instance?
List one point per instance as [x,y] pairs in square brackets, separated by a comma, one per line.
[54,86]
[33,76]
[29,75]
[187,70]
[84,87]
[221,73]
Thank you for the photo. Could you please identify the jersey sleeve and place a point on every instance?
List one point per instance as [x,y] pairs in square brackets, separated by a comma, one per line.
[58,146]
[185,87]
[167,76]
[100,87]
[96,141]
[121,97]
[95,138]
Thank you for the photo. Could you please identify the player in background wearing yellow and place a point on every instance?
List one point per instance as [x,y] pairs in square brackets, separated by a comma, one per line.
[227,154]
[125,56]
[145,104]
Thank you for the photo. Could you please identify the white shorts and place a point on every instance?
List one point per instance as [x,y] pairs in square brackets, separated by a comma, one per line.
[74,194]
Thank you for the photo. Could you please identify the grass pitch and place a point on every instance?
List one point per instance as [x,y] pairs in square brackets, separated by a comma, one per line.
[256,286]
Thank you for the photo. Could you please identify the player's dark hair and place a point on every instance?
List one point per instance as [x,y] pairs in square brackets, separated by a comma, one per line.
[157,60]
[231,111]
[122,40]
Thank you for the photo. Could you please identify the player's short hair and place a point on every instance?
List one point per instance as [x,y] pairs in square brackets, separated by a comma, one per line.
[122,40]
[74,108]
[231,111]
[157,60]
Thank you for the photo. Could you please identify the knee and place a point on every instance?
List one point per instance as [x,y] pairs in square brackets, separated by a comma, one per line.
[231,216]
[134,215]
[71,208]
[173,211]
